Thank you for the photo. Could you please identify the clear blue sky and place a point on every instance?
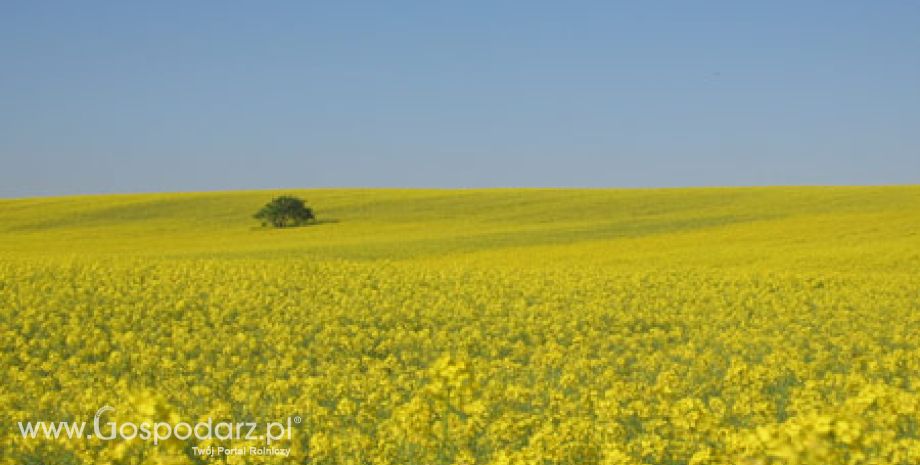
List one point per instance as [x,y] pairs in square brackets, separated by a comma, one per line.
[168,96]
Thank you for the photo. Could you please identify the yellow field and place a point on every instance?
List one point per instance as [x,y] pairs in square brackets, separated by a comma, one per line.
[670,326]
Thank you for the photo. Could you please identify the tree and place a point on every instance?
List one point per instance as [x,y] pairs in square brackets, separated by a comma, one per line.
[285,211]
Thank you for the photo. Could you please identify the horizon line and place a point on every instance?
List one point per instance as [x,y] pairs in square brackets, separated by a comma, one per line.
[442,188]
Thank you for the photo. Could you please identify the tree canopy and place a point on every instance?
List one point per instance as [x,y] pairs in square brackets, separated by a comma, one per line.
[285,211]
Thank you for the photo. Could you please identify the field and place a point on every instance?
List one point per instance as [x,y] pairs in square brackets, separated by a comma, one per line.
[493,327]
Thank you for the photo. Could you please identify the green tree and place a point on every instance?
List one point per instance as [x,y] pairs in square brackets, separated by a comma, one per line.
[285,211]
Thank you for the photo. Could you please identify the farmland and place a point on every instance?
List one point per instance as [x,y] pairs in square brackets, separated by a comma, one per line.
[502,326]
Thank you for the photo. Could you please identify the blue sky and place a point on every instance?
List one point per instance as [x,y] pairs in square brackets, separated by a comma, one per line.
[180,96]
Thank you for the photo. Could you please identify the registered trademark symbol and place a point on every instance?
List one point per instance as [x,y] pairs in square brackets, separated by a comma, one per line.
[297,420]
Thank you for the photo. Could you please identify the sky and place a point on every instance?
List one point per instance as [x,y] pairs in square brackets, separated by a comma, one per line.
[100,97]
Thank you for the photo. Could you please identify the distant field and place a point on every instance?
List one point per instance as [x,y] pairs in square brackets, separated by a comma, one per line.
[714,227]
[500,326]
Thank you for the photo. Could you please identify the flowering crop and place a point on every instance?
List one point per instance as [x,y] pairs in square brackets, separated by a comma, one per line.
[756,341]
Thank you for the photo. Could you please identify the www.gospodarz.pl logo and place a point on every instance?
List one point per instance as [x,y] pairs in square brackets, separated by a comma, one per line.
[157,432]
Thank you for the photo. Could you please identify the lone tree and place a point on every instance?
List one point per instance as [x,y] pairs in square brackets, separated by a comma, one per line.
[284,211]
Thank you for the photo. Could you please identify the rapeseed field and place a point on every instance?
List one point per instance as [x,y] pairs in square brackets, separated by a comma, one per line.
[495,327]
